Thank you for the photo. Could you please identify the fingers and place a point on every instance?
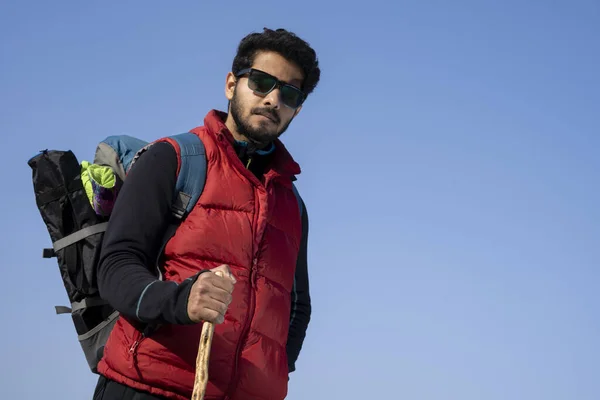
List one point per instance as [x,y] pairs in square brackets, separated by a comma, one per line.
[215,311]
[224,271]
[216,293]
[218,282]
[211,295]
[206,306]
[214,287]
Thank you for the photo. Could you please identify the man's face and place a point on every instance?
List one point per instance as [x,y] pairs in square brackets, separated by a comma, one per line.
[263,118]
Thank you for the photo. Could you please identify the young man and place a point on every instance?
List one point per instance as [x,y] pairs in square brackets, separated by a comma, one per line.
[247,224]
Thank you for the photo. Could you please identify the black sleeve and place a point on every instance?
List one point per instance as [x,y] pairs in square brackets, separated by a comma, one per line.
[301,307]
[127,274]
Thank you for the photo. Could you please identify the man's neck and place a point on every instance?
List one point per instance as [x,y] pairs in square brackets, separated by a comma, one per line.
[231,126]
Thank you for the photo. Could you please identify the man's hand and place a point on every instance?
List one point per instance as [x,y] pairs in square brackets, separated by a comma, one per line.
[211,295]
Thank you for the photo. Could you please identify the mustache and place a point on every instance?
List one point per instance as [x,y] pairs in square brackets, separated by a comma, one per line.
[267,112]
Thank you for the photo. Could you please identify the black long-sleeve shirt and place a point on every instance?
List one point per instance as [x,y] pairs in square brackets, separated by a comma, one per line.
[127,275]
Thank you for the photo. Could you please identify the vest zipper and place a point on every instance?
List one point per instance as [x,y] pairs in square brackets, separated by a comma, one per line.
[249,318]
[247,322]
[133,351]
[133,348]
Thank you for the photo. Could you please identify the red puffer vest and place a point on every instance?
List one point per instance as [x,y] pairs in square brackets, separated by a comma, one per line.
[255,228]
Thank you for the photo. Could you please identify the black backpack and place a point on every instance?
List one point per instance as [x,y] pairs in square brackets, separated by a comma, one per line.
[76,227]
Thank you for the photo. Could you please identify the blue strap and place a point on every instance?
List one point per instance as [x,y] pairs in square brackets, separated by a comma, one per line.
[192,174]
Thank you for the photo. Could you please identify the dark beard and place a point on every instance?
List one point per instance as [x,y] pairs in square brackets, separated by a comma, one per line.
[259,137]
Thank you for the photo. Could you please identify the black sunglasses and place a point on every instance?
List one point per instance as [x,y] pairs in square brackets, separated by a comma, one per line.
[263,83]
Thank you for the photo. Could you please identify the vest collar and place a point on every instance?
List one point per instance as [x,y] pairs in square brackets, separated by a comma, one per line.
[283,162]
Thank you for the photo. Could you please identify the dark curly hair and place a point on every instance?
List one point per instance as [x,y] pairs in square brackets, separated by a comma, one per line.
[286,43]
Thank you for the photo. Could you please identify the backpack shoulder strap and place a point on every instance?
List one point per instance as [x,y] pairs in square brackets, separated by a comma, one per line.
[189,185]
[192,173]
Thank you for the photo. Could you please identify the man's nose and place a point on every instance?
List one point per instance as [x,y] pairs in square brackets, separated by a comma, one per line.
[273,98]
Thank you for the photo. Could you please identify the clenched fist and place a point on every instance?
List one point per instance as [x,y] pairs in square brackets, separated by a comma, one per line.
[211,295]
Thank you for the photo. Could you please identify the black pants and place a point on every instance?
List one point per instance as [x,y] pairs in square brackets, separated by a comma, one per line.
[111,390]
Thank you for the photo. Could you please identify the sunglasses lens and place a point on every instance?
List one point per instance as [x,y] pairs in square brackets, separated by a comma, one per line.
[292,97]
[261,83]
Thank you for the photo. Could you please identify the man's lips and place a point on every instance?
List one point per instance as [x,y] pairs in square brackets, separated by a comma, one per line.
[269,117]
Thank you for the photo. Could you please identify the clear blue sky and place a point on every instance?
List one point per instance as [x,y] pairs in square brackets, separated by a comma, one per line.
[450,167]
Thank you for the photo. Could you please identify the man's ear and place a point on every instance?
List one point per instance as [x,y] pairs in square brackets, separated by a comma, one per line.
[230,83]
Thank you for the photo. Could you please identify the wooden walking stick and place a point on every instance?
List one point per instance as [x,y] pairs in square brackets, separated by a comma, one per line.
[201,378]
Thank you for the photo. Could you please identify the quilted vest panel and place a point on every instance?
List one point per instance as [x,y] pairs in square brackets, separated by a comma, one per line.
[255,228]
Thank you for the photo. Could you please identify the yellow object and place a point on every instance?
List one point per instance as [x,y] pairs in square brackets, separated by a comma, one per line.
[102,175]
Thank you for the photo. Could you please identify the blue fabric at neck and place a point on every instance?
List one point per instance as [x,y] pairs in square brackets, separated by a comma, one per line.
[260,152]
